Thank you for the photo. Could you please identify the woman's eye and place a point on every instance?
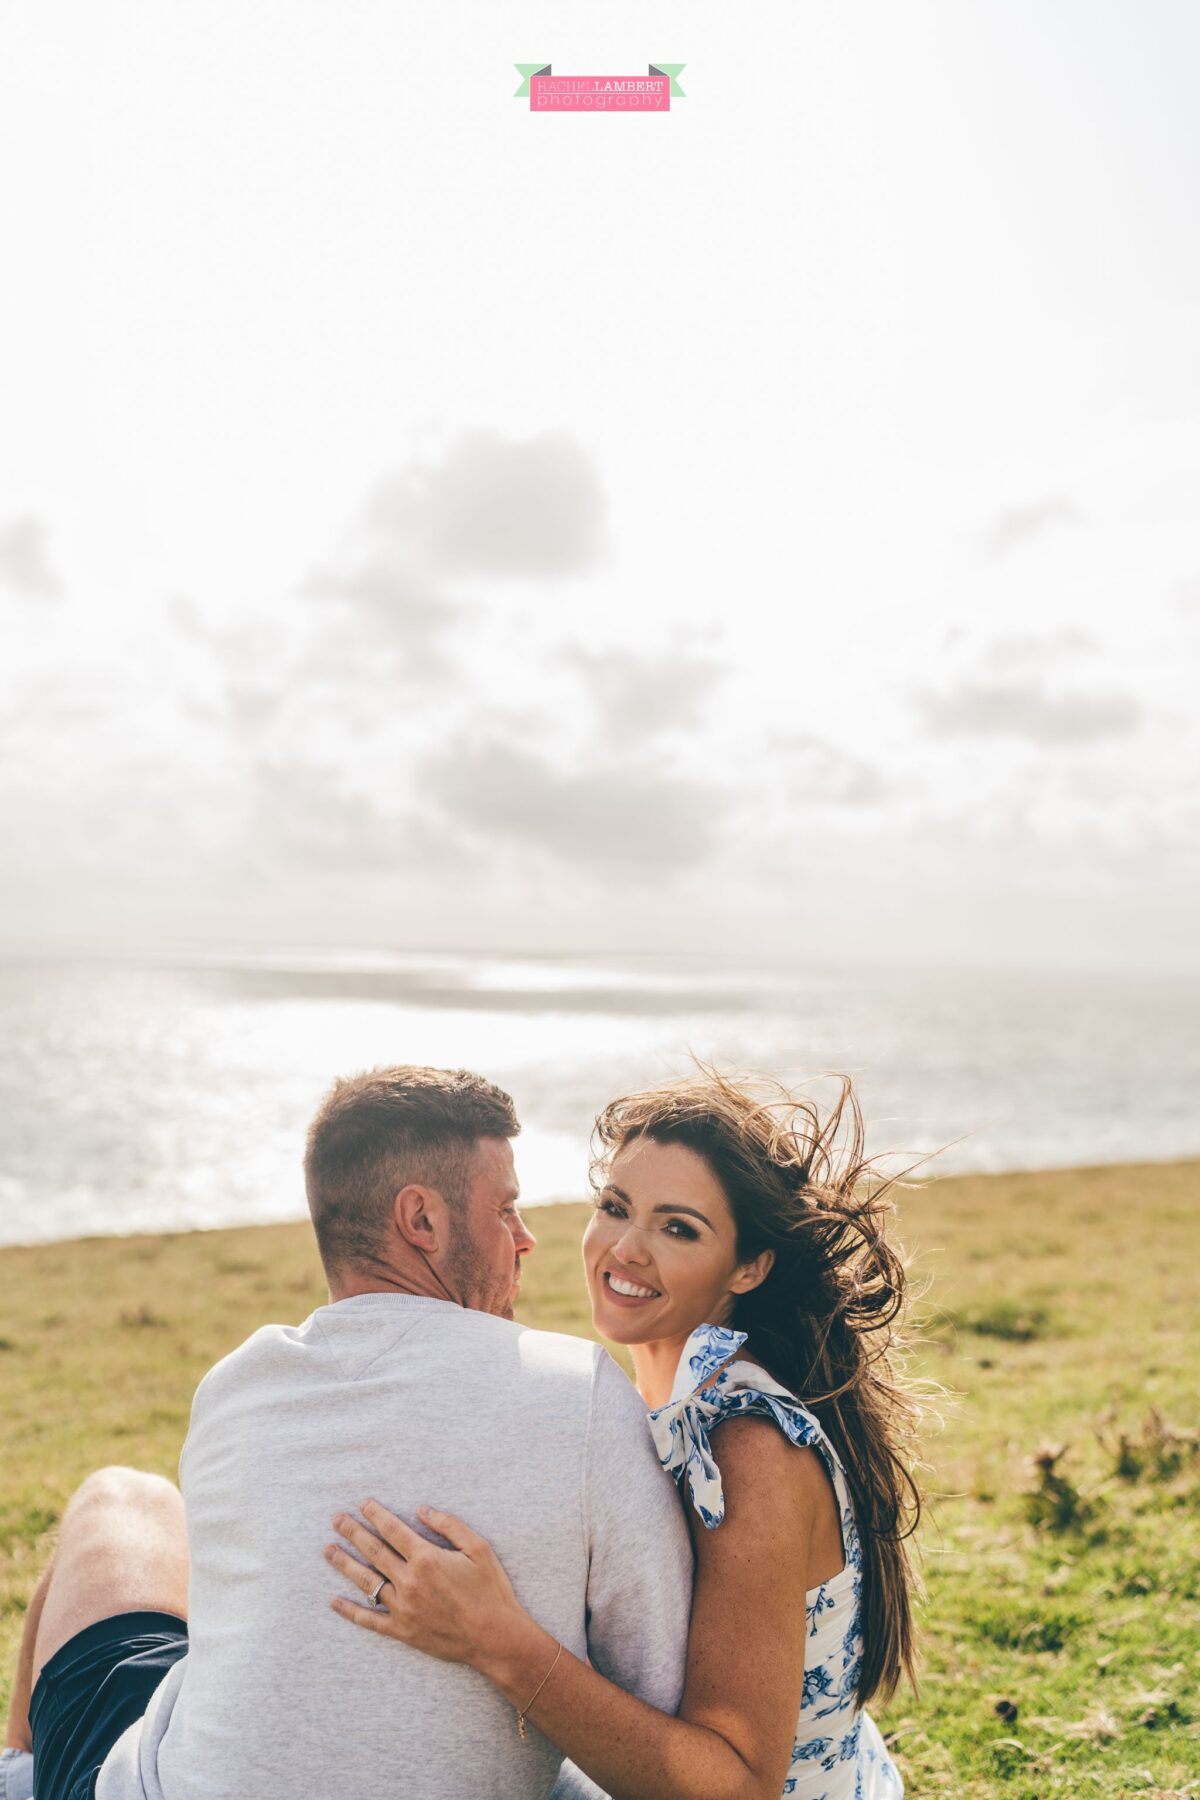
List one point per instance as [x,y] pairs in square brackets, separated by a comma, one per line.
[680,1229]
[611,1207]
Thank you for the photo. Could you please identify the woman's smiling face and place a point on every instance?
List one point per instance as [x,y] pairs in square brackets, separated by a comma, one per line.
[660,1251]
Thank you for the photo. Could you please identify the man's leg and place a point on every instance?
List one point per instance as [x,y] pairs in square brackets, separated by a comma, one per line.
[17,1736]
[122,1547]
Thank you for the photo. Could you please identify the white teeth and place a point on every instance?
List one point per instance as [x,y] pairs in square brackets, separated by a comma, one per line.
[629,1290]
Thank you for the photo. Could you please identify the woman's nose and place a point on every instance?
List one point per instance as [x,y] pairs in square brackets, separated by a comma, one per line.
[629,1247]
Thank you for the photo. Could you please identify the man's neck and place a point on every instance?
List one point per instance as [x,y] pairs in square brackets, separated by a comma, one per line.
[416,1279]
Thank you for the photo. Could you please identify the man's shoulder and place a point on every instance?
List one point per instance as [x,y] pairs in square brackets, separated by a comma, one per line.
[477,1336]
[576,1372]
[551,1352]
[255,1355]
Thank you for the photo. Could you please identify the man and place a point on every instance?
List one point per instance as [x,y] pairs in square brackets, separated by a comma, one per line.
[413,1385]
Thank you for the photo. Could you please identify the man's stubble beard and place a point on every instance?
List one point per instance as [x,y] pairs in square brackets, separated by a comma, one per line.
[474,1278]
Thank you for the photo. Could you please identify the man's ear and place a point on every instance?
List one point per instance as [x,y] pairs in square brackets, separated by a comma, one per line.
[420,1218]
[753,1274]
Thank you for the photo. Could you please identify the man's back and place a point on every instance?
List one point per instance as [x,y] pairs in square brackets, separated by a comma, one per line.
[535,1440]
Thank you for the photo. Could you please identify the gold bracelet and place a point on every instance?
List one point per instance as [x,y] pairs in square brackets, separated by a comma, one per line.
[521,1716]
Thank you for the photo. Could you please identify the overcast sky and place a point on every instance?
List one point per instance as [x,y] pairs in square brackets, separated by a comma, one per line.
[772,524]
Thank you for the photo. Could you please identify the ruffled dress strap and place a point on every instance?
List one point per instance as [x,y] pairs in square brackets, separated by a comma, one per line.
[712,1385]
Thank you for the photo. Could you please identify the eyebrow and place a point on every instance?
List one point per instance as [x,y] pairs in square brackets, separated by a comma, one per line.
[612,1188]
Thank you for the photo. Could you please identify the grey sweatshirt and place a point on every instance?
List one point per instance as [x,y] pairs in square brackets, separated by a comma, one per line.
[537,1441]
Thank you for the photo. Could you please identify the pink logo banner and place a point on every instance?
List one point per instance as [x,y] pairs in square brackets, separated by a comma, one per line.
[600,93]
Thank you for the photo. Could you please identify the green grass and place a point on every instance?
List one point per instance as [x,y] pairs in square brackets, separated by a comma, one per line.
[1062,1625]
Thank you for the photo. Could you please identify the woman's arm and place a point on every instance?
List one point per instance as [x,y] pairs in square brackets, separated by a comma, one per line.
[733,1737]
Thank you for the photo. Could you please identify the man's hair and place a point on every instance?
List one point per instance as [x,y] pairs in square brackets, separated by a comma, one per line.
[380,1131]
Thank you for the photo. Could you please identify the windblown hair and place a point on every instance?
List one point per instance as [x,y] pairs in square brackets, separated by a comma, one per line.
[375,1133]
[824,1319]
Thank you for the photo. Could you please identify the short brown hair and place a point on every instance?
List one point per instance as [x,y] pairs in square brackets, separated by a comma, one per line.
[376,1132]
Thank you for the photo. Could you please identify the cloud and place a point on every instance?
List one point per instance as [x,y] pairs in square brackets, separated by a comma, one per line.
[309,815]
[1024,709]
[25,564]
[499,506]
[639,696]
[1026,686]
[820,773]
[609,815]
[388,600]
[489,506]
[1017,524]
[1028,653]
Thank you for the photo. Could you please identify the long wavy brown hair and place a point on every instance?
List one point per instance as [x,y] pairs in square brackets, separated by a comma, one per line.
[826,1320]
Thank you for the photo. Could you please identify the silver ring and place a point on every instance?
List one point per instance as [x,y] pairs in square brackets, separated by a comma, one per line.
[373,1598]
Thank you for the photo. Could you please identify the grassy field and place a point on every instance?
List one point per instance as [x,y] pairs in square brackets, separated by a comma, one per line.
[1062,1540]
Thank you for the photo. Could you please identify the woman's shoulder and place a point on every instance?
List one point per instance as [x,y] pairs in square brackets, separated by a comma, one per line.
[707,1351]
[752,1453]
[720,1369]
[718,1382]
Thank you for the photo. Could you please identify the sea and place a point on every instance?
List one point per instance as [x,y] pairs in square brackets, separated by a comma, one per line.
[170,1093]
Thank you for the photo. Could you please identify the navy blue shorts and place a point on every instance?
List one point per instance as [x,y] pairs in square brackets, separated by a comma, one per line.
[91,1691]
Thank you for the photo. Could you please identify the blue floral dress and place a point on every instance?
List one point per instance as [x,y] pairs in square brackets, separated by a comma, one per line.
[838,1752]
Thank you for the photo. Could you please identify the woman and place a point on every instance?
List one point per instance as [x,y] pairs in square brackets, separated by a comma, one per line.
[743,1260]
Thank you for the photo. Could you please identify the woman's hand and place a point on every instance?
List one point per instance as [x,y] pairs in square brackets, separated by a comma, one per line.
[454,1604]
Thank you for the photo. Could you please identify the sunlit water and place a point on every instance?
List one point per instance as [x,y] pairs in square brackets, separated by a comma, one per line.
[151,1097]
